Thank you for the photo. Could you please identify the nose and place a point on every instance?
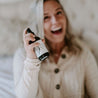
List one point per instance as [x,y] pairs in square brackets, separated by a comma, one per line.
[54,20]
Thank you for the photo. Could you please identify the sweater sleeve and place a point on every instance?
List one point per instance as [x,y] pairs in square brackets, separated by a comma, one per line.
[25,75]
[91,76]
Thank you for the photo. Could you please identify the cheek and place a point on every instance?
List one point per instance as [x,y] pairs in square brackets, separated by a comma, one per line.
[45,28]
[47,34]
[64,21]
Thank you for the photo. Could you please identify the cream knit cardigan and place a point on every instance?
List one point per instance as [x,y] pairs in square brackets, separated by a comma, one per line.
[77,77]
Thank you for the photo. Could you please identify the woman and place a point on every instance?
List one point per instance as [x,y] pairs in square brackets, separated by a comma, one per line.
[70,71]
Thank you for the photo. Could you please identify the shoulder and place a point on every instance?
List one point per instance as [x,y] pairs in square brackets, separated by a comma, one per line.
[87,56]
[86,52]
[85,48]
[82,44]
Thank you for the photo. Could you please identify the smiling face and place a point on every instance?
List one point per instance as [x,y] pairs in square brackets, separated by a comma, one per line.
[54,22]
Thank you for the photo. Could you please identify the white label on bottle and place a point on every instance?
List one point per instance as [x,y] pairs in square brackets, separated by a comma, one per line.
[41,49]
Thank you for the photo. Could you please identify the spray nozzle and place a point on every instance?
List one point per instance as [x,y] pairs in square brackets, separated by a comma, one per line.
[29,31]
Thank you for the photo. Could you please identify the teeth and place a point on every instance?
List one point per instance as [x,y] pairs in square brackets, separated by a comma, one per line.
[56,29]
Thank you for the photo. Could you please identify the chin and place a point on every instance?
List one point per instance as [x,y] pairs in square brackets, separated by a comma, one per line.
[58,41]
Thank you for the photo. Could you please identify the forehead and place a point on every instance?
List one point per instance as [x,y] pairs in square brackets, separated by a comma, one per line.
[51,5]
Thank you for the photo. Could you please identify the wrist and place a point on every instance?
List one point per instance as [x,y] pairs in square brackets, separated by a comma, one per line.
[32,63]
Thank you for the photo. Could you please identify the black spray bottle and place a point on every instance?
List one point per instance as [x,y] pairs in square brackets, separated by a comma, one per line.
[41,51]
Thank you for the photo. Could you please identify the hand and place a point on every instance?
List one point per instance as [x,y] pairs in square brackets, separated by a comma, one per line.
[29,48]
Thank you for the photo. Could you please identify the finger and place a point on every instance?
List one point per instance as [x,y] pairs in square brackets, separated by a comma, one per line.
[28,37]
[29,34]
[29,41]
[34,45]
[43,40]
[25,31]
[31,47]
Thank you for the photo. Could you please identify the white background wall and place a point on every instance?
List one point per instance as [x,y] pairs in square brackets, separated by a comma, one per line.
[14,16]
[13,19]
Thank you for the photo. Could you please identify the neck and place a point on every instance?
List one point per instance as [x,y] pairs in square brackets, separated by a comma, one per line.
[56,48]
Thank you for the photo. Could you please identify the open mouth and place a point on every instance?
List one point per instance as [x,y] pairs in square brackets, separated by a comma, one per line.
[57,31]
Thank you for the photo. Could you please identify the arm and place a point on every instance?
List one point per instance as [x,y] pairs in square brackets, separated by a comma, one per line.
[26,76]
[91,79]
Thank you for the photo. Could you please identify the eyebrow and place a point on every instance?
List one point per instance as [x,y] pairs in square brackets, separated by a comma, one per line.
[56,10]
